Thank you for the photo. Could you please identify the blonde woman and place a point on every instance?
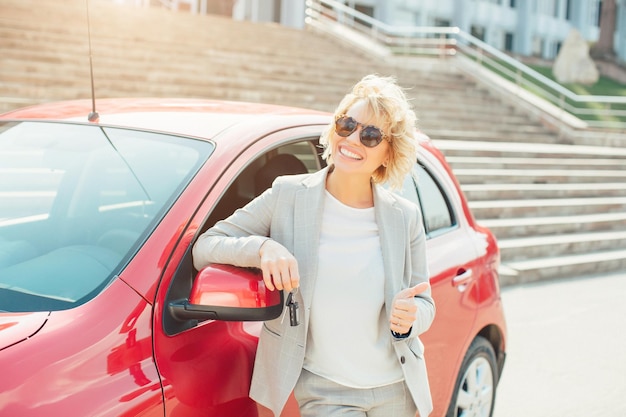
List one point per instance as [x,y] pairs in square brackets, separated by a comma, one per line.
[352,255]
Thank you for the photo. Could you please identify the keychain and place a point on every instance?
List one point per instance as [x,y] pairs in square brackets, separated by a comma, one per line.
[292,305]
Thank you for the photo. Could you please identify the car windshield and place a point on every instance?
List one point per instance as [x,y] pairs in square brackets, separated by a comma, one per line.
[76,201]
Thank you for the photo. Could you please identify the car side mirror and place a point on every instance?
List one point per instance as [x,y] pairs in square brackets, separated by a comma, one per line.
[229,293]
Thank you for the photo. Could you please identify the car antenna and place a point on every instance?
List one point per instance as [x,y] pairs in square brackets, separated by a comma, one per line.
[93,117]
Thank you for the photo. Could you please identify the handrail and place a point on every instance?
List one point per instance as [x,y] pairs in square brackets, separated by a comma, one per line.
[603,111]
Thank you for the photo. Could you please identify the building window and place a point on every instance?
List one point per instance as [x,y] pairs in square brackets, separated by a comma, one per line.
[478,32]
[537,47]
[512,4]
[368,10]
[508,42]
[442,23]
[568,10]
[596,12]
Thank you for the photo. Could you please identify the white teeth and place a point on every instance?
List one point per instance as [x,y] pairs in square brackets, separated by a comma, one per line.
[349,154]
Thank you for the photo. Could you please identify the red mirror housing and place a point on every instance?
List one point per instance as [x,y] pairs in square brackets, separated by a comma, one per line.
[229,293]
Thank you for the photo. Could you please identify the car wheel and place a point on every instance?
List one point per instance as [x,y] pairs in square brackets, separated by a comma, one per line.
[475,388]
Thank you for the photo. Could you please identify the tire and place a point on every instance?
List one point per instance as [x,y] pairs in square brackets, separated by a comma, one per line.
[475,388]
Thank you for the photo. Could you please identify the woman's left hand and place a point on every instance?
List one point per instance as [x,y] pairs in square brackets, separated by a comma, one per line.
[404,310]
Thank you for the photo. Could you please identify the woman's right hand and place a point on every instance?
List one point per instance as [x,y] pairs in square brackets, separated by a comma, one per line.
[279,267]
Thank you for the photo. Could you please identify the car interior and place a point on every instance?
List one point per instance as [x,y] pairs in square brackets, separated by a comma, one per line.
[295,158]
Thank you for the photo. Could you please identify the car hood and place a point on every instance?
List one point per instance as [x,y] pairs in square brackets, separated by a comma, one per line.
[18,327]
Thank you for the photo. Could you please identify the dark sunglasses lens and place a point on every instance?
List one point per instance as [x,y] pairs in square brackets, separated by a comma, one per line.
[344,126]
[371,136]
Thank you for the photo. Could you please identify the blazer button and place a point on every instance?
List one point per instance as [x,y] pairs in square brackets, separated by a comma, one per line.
[402,360]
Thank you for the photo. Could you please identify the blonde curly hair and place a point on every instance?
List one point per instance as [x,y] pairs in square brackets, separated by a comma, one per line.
[388,102]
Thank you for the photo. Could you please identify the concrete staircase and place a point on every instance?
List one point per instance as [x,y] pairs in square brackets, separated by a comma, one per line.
[557,210]
[557,207]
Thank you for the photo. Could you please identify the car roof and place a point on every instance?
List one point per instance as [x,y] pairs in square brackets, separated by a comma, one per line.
[200,118]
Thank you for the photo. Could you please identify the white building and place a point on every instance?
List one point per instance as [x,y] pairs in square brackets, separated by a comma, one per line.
[523,27]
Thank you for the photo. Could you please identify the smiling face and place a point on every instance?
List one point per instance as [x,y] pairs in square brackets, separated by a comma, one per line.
[350,156]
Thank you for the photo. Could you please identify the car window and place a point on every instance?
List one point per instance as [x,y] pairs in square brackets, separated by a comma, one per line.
[293,158]
[422,188]
[75,200]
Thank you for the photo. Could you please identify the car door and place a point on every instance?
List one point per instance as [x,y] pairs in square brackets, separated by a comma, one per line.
[451,259]
[206,366]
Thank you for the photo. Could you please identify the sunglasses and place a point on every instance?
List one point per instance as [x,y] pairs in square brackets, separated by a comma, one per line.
[370,136]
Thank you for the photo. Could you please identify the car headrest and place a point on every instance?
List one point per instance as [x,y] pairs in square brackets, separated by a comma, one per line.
[281,164]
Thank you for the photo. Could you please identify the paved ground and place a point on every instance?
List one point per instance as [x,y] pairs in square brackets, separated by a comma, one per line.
[567,349]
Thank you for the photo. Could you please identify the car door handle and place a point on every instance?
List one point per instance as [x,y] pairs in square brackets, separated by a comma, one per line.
[462,278]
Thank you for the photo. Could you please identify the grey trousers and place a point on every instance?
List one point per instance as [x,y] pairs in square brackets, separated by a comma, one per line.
[320,397]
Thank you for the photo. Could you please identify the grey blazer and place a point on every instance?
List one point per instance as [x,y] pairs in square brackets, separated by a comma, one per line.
[291,213]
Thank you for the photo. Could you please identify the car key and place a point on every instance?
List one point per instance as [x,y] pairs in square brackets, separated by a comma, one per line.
[294,314]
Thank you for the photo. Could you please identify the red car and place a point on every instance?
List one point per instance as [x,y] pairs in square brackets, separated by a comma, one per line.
[101,311]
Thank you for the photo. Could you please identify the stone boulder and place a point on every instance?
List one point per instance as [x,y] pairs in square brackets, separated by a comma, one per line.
[573,63]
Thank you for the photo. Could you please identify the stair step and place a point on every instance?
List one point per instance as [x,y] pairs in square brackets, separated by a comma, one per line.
[525,150]
[538,176]
[493,209]
[563,267]
[538,247]
[551,225]
[435,117]
[458,162]
[478,192]
[539,135]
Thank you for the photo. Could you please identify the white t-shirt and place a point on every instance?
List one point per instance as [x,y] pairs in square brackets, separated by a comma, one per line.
[349,340]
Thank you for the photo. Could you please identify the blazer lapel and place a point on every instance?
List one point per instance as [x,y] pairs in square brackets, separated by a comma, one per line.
[308,211]
[392,230]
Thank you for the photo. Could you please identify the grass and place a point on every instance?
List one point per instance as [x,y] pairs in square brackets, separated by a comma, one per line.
[604,87]
[589,111]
